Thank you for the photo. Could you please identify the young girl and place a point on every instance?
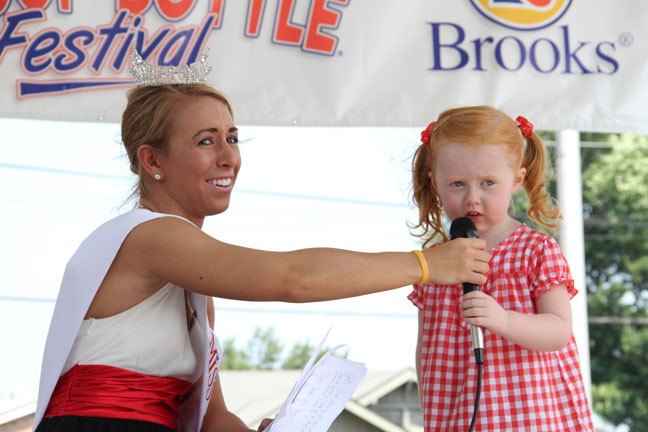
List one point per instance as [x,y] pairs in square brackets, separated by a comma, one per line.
[471,161]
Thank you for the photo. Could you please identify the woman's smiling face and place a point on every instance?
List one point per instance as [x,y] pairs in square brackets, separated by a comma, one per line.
[202,159]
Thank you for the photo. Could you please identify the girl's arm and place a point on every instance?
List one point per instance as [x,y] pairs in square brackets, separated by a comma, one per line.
[172,250]
[549,329]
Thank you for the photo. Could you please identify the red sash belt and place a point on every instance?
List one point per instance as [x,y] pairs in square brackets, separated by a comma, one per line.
[111,392]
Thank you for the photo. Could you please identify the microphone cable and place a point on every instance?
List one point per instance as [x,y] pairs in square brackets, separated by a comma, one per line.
[479,359]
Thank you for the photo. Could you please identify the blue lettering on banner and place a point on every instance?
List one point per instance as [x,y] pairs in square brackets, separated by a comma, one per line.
[8,38]
[603,56]
[108,34]
[51,50]
[37,55]
[533,56]
[437,46]
[500,58]
[31,88]
[544,55]
[73,57]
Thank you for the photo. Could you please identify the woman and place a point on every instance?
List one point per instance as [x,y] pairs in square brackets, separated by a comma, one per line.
[129,339]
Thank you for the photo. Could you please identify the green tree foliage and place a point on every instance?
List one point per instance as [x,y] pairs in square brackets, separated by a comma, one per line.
[615,205]
[264,352]
[616,194]
[300,354]
[264,349]
[233,358]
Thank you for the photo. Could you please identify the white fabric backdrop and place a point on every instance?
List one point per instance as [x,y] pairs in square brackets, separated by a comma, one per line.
[564,64]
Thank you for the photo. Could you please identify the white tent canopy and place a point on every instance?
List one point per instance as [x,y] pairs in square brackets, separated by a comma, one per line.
[563,64]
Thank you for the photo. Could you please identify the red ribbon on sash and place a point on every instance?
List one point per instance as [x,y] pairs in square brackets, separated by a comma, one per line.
[111,392]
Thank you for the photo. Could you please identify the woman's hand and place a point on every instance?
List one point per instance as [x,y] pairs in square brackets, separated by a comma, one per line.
[480,309]
[264,424]
[456,261]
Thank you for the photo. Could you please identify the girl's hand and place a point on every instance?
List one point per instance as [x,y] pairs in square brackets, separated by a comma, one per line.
[480,309]
[549,329]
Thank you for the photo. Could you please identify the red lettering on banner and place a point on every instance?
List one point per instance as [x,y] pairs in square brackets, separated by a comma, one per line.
[217,8]
[34,4]
[253,20]
[171,10]
[52,50]
[285,32]
[321,16]
[64,6]
[133,6]
[174,10]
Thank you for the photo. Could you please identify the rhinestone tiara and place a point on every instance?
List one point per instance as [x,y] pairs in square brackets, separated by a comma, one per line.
[147,74]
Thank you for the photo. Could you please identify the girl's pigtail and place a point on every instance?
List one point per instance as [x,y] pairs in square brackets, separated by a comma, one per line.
[425,197]
[542,208]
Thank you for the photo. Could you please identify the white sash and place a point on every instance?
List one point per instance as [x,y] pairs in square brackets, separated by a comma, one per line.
[83,275]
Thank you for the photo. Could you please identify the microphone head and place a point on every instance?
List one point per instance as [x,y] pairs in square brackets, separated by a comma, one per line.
[463,227]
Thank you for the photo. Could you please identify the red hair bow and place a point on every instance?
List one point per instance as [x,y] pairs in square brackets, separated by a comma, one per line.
[425,135]
[526,127]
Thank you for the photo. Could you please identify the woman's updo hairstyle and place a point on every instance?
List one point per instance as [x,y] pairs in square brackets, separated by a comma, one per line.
[148,118]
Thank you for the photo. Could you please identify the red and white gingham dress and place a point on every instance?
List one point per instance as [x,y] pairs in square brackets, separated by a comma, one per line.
[522,390]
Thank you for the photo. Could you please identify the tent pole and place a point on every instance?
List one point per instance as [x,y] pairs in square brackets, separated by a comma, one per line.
[572,242]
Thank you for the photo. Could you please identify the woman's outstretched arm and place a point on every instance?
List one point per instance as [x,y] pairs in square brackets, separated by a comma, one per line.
[173,250]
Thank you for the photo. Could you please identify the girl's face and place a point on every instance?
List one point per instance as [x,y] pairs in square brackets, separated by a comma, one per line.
[202,159]
[478,182]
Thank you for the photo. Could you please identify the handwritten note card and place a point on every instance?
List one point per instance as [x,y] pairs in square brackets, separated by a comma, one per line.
[320,394]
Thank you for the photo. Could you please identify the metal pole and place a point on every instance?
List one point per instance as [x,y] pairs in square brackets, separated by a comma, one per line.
[572,241]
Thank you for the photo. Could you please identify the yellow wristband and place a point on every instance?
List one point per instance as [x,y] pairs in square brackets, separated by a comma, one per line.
[424,266]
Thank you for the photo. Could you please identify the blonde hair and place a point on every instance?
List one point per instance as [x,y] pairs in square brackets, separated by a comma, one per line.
[473,126]
[148,118]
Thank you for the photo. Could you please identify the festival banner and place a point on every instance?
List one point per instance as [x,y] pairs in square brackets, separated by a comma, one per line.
[565,64]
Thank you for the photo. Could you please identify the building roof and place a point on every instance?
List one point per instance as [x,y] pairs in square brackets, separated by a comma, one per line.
[255,395]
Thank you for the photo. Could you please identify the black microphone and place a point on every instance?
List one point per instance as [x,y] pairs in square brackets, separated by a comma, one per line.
[464,227]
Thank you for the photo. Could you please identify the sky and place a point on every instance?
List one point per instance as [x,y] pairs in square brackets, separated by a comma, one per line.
[298,187]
